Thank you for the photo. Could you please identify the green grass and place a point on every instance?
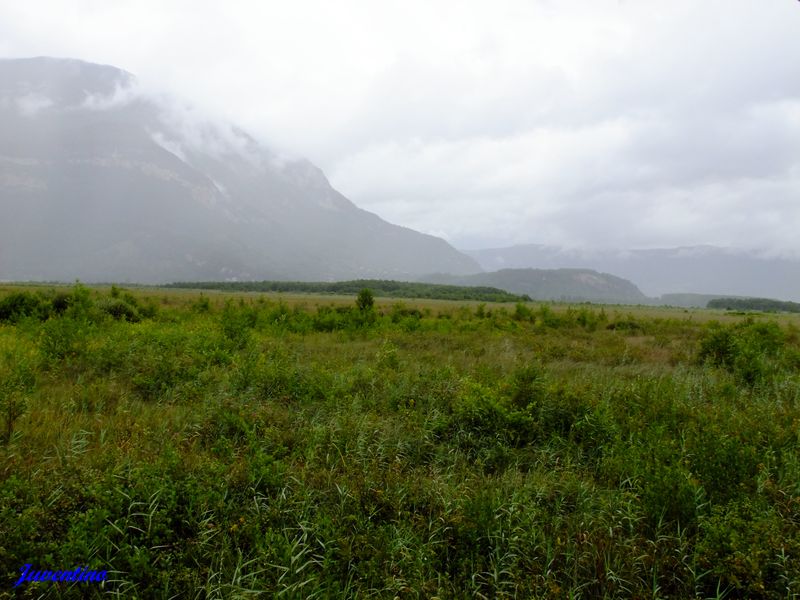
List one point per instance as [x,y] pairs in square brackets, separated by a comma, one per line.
[242,445]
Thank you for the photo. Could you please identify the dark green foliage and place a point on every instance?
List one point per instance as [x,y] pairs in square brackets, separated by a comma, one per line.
[120,310]
[63,338]
[20,305]
[61,302]
[746,546]
[723,462]
[624,325]
[365,300]
[528,386]
[718,346]
[237,321]
[379,287]
[17,381]
[202,305]
[757,304]
[745,349]
[522,313]
[589,319]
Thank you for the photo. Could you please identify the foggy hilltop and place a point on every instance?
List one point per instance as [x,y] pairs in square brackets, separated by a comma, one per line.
[668,272]
[103,183]
[100,181]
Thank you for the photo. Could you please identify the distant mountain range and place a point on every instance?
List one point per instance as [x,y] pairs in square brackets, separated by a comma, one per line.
[103,183]
[575,285]
[677,274]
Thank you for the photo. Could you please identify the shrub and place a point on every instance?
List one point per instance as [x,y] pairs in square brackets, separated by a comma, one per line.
[119,310]
[61,301]
[741,544]
[202,305]
[547,318]
[328,319]
[559,409]
[365,300]
[480,419]
[81,307]
[400,313]
[522,313]
[17,380]
[717,346]
[744,349]
[527,386]
[236,322]
[20,305]
[63,338]
[630,324]
[726,465]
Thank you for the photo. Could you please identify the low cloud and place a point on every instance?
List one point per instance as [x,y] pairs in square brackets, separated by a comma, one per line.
[32,103]
[587,123]
[123,95]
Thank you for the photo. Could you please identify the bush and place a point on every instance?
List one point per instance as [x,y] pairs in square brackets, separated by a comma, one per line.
[61,301]
[747,547]
[718,346]
[527,386]
[17,380]
[81,307]
[330,319]
[237,321]
[480,419]
[20,305]
[202,305]
[400,313]
[119,310]
[522,313]
[744,349]
[365,301]
[63,338]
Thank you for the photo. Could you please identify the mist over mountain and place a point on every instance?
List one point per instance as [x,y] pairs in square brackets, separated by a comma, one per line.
[102,182]
[699,269]
[572,285]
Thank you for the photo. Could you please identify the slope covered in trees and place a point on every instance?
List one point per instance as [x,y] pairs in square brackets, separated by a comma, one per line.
[759,304]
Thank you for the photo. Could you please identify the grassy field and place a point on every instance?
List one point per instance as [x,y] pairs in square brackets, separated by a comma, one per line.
[241,445]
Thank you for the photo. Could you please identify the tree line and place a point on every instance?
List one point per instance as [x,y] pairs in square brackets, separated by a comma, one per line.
[379,287]
[759,304]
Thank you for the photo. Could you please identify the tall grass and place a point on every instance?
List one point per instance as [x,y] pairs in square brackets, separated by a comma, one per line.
[211,447]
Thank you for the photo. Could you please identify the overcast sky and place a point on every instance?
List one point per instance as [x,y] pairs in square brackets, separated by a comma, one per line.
[625,123]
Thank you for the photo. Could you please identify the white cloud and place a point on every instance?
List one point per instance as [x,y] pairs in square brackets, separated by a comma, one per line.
[590,122]
[31,103]
[121,96]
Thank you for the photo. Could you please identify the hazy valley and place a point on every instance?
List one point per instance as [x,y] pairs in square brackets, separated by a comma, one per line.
[102,182]
[259,389]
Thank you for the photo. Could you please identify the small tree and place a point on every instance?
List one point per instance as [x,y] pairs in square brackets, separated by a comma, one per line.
[365,301]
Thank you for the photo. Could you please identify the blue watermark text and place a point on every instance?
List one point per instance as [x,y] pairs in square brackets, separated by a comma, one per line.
[76,574]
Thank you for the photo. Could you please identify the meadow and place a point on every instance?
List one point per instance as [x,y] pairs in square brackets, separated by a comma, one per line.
[242,445]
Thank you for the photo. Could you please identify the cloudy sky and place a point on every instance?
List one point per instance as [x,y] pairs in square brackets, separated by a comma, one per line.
[624,123]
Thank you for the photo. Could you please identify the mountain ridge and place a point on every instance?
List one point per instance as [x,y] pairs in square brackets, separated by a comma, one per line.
[708,270]
[102,182]
[576,285]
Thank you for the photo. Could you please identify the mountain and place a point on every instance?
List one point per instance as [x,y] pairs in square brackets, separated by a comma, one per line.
[698,269]
[102,182]
[553,284]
